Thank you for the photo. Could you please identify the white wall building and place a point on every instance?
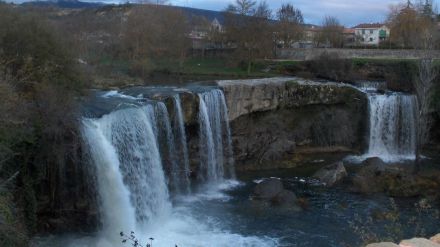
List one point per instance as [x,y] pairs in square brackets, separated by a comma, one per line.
[371,34]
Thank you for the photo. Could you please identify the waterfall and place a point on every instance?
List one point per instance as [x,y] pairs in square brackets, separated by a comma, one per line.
[181,142]
[215,137]
[392,126]
[140,153]
[166,137]
[131,180]
[114,195]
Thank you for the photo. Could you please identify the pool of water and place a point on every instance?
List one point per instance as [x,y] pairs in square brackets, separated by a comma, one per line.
[226,216]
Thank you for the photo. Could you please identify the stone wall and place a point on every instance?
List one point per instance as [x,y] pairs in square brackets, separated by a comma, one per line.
[310,54]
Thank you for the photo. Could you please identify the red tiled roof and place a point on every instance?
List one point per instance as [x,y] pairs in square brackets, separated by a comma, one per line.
[369,25]
[349,31]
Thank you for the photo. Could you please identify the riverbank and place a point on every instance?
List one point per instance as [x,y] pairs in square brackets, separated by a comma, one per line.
[397,73]
[434,241]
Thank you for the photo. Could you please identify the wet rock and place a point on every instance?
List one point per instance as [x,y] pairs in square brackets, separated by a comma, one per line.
[190,104]
[276,120]
[418,242]
[268,189]
[332,174]
[383,244]
[285,198]
[436,239]
[366,180]
[399,180]
[271,191]
[375,163]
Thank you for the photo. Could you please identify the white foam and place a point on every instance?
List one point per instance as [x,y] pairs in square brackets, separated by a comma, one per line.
[357,159]
[185,227]
[114,93]
[210,192]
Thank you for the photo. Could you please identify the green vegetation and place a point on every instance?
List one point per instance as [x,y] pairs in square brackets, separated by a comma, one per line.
[213,67]
[11,231]
[39,81]
[222,67]
[366,61]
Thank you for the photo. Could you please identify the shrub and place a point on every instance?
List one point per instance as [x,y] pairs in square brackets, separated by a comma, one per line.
[330,66]
[38,129]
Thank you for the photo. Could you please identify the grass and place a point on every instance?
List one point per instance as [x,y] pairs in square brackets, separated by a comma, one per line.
[221,67]
[385,61]
[199,66]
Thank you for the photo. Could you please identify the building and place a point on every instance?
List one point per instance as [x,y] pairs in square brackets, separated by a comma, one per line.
[201,32]
[349,37]
[311,33]
[371,34]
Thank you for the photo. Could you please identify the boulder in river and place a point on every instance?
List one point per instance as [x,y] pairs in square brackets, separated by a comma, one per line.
[418,242]
[436,239]
[268,189]
[383,244]
[400,180]
[285,198]
[272,191]
[332,174]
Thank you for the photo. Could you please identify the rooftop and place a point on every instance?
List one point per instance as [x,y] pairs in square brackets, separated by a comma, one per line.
[370,25]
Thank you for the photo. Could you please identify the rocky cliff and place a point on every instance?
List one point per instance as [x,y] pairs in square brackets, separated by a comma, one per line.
[275,120]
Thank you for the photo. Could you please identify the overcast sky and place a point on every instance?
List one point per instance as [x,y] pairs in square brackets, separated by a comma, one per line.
[350,12]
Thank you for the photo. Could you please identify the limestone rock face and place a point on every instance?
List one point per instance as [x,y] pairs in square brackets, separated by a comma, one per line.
[244,97]
[414,242]
[247,96]
[275,119]
[383,244]
[436,239]
[190,107]
[418,242]
[332,174]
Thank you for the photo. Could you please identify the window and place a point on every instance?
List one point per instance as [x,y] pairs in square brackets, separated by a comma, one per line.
[371,31]
[371,39]
[363,31]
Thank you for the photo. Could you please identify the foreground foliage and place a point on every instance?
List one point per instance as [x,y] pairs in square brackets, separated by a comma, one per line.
[39,81]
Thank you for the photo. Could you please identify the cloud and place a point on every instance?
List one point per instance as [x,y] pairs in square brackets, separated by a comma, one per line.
[349,12]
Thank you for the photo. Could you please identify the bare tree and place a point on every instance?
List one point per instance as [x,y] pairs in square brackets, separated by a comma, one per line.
[249,29]
[331,33]
[412,26]
[154,33]
[427,73]
[242,7]
[290,25]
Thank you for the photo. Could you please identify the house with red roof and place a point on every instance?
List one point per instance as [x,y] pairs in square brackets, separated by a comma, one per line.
[371,34]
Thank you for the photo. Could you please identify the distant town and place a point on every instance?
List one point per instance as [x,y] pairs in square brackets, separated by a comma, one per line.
[404,21]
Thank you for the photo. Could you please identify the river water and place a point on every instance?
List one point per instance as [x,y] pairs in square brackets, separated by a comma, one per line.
[143,184]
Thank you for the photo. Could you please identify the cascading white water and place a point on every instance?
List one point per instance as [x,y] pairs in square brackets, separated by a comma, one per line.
[181,142]
[126,138]
[114,195]
[214,128]
[392,126]
[229,150]
[124,148]
[167,136]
